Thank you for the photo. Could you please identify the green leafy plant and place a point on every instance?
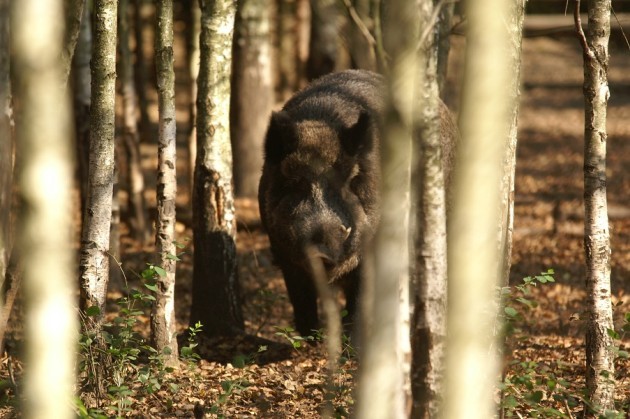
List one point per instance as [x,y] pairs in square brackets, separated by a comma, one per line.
[229,388]
[295,340]
[517,298]
[130,358]
[187,353]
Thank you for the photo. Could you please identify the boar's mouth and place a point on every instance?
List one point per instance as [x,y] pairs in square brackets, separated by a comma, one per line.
[320,263]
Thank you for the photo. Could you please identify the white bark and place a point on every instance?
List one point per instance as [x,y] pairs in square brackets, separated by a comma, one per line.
[94,264]
[429,328]
[506,224]
[600,378]
[163,316]
[471,364]
[384,389]
[215,284]
[45,181]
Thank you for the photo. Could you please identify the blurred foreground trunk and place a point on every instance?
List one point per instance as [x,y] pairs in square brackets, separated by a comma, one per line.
[384,388]
[472,365]
[45,182]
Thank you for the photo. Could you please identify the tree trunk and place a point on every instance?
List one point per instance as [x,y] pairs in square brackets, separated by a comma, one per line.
[82,82]
[443,40]
[216,300]
[136,207]
[293,33]
[94,263]
[506,226]
[324,41]
[252,93]
[600,377]
[429,322]
[384,387]
[163,325]
[6,146]
[193,24]
[73,18]
[362,43]
[140,73]
[45,182]
[472,365]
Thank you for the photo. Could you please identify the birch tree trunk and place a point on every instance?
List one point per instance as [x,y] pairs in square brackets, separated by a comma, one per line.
[506,227]
[193,19]
[384,388]
[73,18]
[252,93]
[429,322]
[600,377]
[163,325]
[473,271]
[6,146]
[216,300]
[94,263]
[136,207]
[82,90]
[443,39]
[45,182]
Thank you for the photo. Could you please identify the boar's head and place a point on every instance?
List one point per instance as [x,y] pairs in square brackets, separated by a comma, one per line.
[319,188]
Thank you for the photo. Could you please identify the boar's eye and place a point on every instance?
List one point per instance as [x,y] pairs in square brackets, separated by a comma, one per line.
[353,178]
[353,172]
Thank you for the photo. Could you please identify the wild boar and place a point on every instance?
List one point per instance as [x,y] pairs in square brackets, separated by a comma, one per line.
[319,191]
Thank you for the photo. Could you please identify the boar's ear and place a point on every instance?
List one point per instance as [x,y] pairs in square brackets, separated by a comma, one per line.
[356,137]
[281,137]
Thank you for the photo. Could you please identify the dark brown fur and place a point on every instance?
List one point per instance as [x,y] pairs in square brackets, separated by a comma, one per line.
[320,184]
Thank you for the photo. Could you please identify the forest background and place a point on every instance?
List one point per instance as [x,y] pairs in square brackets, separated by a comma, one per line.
[544,360]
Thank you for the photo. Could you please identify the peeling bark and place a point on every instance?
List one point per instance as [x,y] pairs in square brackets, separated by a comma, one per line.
[216,299]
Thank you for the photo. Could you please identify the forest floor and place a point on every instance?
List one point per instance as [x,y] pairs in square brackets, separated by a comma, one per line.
[544,359]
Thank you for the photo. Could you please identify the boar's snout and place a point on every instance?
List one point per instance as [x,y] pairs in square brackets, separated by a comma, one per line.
[327,242]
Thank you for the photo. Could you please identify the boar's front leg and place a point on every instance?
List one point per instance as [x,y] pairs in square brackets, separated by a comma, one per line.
[303,296]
